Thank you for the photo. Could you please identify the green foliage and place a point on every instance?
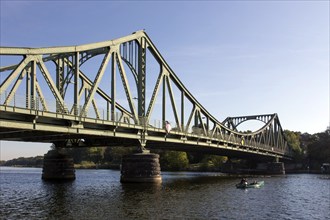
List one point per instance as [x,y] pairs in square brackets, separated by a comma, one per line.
[99,155]
[318,150]
[96,154]
[116,153]
[78,154]
[293,139]
[213,162]
[25,162]
[86,165]
[195,157]
[173,160]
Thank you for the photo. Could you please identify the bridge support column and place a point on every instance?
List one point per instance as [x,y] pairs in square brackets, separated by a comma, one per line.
[58,166]
[276,168]
[140,168]
[271,168]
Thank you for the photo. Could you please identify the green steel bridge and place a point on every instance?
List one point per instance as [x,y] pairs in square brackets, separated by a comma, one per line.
[118,93]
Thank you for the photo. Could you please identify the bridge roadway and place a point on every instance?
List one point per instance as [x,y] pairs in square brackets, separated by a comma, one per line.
[45,107]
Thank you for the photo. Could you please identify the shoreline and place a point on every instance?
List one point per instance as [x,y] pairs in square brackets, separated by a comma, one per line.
[239,173]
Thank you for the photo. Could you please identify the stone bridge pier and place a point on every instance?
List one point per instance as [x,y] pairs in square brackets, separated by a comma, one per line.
[140,168]
[58,166]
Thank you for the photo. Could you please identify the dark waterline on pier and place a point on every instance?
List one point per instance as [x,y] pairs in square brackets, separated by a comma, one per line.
[98,194]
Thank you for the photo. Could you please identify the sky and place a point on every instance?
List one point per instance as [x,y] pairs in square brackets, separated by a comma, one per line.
[236,57]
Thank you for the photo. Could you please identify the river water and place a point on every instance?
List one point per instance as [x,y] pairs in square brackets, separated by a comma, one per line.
[98,194]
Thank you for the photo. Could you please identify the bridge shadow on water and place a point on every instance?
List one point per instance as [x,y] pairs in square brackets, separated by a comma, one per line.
[180,181]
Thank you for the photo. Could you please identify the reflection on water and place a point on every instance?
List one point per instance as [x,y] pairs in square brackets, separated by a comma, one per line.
[98,194]
[56,203]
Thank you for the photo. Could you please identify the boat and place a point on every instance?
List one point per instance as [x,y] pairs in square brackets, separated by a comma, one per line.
[256,184]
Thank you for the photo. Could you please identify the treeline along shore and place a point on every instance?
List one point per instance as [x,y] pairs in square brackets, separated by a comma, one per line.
[310,152]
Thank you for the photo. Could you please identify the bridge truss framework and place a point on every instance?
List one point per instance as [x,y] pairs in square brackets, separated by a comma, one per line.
[70,96]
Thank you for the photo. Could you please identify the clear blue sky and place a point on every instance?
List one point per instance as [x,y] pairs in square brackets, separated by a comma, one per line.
[252,57]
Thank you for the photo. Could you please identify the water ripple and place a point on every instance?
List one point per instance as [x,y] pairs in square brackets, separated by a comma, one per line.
[98,194]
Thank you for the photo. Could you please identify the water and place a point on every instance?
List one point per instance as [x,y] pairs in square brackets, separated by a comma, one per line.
[98,194]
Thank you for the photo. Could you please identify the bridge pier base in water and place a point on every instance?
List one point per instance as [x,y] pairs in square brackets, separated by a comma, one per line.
[58,166]
[140,168]
[271,168]
[276,168]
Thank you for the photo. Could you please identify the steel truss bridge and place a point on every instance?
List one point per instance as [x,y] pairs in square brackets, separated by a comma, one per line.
[117,93]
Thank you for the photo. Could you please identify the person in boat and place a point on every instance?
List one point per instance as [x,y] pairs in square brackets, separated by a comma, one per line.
[243,181]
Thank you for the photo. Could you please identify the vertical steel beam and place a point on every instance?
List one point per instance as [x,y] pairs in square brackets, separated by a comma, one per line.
[76,83]
[196,120]
[108,111]
[207,125]
[141,77]
[182,110]
[59,79]
[28,88]
[113,86]
[164,102]
[33,75]
[60,76]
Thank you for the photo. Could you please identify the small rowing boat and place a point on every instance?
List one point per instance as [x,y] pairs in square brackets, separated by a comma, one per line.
[256,184]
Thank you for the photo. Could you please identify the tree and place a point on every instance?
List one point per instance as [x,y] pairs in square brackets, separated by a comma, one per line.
[213,161]
[96,154]
[25,162]
[195,157]
[318,150]
[174,160]
[114,154]
[293,139]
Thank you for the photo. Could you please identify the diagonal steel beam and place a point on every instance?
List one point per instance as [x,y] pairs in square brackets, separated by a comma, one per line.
[175,112]
[15,87]
[97,113]
[192,114]
[51,84]
[99,91]
[15,73]
[41,96]
[154,94]
[126,87]
[97,81]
